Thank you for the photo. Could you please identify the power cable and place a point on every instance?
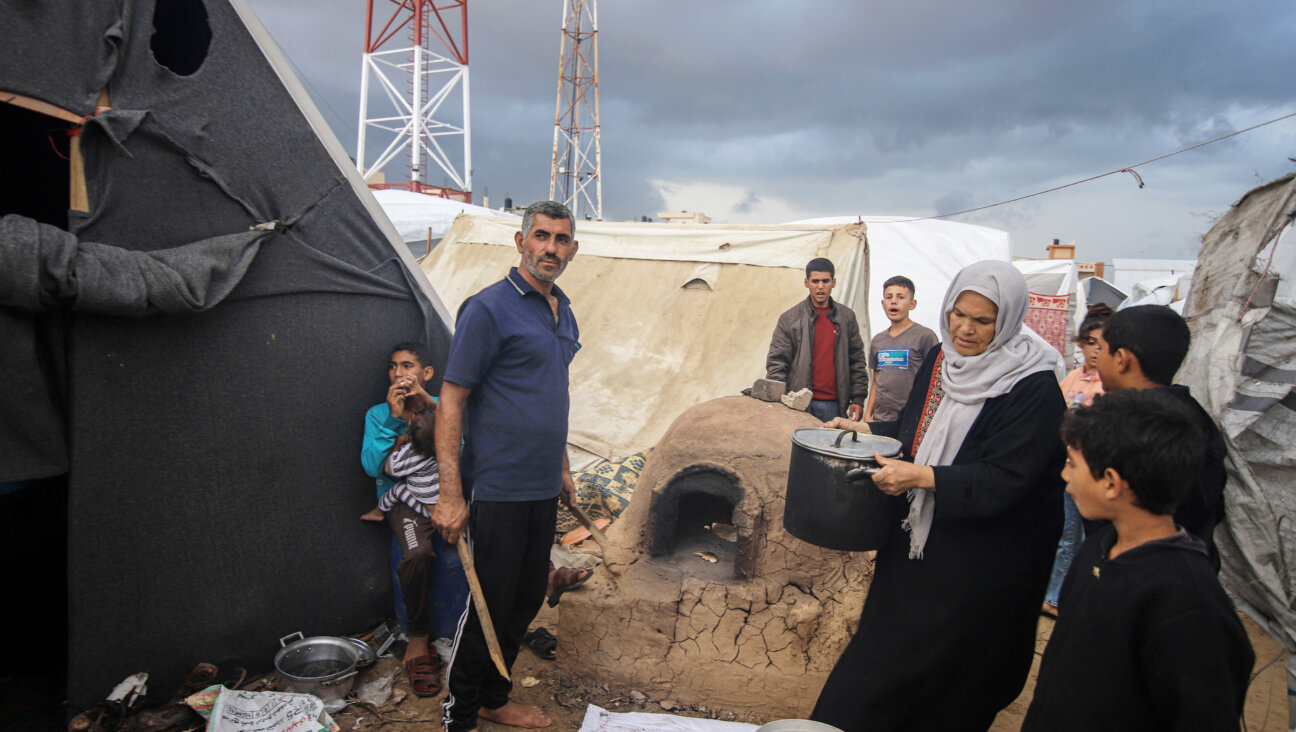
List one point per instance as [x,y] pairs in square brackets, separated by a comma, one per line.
[1127,169]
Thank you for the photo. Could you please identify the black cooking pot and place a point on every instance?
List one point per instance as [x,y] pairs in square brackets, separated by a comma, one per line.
[831,499]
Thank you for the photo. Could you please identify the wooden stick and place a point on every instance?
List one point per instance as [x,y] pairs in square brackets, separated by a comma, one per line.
[585,521]
[483,614]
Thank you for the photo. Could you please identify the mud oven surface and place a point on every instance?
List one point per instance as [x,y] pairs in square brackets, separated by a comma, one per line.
[754,632]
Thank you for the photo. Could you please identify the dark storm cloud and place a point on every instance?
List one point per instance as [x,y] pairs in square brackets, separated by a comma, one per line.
[918,107]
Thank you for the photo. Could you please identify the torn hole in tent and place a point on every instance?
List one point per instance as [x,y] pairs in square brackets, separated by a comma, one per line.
[703,277]
[181,35]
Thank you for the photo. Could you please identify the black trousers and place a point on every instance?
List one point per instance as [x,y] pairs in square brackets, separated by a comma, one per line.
[510,542]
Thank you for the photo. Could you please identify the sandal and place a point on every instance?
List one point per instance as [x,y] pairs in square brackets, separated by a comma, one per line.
[567,578]
[542,643]
[424,675]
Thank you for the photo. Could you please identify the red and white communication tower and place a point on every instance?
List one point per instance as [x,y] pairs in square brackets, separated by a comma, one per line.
[576,176]
[416,52]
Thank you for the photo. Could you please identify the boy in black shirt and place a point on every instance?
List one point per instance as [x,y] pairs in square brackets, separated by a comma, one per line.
[1141,348]
[1147,639]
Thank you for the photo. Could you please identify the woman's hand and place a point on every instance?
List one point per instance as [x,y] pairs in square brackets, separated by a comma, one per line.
[897,476]
[841,423]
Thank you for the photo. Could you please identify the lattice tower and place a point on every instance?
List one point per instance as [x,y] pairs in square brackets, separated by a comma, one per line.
[416,54]
[576,176]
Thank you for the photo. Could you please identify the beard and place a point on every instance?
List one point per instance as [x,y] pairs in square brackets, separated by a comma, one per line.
[532,264]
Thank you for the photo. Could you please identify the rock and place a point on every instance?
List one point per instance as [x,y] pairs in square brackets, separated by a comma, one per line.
[529,682]
[668,705]
[768,390]
[638,697]
[798,400]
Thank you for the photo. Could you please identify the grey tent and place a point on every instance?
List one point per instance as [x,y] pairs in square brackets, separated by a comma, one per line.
[1242,367]
[190,356]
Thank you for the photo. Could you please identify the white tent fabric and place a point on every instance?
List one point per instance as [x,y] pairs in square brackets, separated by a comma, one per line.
[1242,367]
[1127,272]
[928,252]
[670,315]
[413,214]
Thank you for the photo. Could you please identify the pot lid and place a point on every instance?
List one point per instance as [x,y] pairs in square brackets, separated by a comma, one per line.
[851,445]
[367,653]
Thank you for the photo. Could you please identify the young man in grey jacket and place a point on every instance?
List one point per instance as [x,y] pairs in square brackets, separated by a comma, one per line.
[817,345]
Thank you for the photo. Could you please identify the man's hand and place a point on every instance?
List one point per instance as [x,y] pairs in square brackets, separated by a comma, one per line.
[568,494]
[898,476]
[450,516]
[853,412]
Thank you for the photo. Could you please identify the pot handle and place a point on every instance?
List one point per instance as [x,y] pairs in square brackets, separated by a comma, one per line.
[291,636]
[854,437]
[861,473]
[338,680]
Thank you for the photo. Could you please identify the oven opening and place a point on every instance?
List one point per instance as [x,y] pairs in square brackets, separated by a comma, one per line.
[693,524]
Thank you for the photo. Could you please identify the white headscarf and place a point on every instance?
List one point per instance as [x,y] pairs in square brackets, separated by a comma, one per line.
[970,380]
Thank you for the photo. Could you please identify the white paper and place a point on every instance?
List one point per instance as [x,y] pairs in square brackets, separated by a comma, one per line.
[598,719]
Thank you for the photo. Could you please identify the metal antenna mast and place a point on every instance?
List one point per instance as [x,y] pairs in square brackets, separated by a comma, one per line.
[576,176]
[418,74]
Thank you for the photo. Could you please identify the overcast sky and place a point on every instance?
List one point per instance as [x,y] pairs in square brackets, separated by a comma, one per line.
[769,111]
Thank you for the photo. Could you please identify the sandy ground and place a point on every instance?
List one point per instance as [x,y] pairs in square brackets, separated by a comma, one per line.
[565,699]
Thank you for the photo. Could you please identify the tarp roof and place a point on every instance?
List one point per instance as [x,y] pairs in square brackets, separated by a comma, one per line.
[670,315]
[417,216]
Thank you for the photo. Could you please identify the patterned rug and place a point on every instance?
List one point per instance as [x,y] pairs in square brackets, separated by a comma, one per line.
[605,491]
[1048,317]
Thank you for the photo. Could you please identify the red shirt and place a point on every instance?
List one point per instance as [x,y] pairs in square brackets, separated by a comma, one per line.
[823,370]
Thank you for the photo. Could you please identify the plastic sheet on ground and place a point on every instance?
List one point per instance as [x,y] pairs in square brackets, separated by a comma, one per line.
[260,711]
[598,719]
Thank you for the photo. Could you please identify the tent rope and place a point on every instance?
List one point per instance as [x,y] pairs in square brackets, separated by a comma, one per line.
[1127,169]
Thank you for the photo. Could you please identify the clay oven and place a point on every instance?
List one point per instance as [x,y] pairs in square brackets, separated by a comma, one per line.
[755,631]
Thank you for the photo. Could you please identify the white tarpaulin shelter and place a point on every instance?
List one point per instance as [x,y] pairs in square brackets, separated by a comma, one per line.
[414,214]
[670,315]
[1242,367]
[928,252]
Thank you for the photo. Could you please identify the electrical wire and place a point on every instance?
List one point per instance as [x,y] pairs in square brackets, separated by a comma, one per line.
[1127,169]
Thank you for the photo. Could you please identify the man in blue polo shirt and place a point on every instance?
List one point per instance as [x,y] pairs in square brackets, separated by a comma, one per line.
[505,394]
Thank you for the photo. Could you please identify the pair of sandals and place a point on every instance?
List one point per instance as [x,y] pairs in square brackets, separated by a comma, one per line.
[424,674]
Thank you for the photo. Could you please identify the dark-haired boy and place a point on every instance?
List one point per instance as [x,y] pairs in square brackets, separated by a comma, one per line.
[1141,348]
[419,544]
[1147,639]
[896,354]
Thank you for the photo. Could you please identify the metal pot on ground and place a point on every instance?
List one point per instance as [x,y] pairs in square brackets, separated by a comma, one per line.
[323,666]
[831,500]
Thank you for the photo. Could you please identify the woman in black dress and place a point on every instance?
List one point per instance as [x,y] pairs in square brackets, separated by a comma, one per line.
[947,633]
